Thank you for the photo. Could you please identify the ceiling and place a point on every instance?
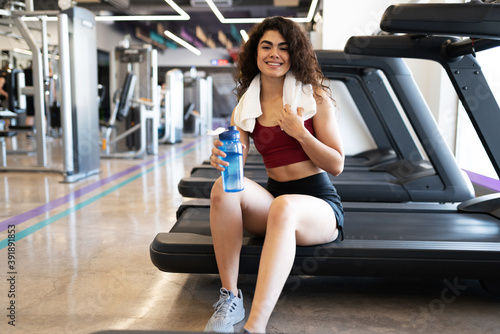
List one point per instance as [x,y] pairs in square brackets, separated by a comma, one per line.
[198,10]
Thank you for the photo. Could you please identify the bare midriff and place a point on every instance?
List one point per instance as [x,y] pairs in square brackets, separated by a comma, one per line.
[294,171]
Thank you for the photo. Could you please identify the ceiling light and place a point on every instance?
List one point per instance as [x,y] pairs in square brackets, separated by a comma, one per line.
[286,3]
[182,42]
[244,35]
[317,17]
[36,18]
[312,9]
[183,16]
[26,52]
[222,19]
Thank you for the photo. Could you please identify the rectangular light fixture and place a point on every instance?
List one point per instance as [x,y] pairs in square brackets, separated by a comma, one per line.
[285,3]
[222,19]
[182,42]
[36,18]
[244,35]
[23,51]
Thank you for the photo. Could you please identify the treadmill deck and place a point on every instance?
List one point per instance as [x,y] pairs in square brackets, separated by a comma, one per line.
[435,240]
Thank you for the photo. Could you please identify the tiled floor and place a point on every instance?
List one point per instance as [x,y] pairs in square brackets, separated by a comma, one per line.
[82,264]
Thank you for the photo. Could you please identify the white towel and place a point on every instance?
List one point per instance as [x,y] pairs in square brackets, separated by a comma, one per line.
[295,94]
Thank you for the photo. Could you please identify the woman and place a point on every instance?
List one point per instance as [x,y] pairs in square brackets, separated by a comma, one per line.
[299,206]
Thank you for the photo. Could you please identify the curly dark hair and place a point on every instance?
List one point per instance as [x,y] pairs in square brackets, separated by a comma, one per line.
[304,63]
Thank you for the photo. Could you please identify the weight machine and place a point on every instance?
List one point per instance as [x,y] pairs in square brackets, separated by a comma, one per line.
[78,75]
[173,119]
[198,96]
[132,128]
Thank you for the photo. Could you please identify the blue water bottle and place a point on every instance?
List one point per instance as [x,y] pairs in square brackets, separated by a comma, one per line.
[232,176]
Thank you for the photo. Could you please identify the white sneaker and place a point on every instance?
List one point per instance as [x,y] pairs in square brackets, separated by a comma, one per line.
[228,312]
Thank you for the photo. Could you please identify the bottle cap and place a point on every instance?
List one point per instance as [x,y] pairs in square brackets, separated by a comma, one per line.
[230,134]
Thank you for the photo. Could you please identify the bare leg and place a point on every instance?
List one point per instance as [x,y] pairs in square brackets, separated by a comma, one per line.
[229,212]
[293,220]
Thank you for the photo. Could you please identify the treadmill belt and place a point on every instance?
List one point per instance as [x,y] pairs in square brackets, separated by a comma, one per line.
[364,159]
[389,224]
[429,241]
[259,175]
[352,186]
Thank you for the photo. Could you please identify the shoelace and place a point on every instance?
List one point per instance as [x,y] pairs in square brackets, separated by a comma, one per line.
[224,304]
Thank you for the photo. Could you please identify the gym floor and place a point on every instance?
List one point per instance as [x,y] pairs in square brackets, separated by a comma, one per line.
[82,263]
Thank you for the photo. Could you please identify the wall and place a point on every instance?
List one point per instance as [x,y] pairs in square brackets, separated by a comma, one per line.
[343,19]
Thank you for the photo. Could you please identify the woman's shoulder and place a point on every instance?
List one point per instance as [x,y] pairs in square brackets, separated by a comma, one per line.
[323,97]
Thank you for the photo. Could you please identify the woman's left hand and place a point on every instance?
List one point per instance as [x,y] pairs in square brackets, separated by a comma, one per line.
[291,121]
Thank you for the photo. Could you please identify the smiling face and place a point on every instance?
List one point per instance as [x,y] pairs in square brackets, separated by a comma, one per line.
[273,57]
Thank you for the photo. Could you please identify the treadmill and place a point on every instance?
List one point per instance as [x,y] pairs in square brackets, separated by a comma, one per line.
[408,177]
[367,158]
[428,240]
[369,107]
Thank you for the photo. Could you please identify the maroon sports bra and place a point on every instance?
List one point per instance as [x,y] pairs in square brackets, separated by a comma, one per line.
[276,147]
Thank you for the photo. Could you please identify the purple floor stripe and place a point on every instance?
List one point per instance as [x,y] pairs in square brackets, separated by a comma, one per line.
[484,181]
[80,192]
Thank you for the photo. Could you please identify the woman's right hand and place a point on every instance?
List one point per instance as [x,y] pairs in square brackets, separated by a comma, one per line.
[215,159]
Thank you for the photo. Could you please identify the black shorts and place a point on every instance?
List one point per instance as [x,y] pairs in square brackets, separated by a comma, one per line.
[318,185]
